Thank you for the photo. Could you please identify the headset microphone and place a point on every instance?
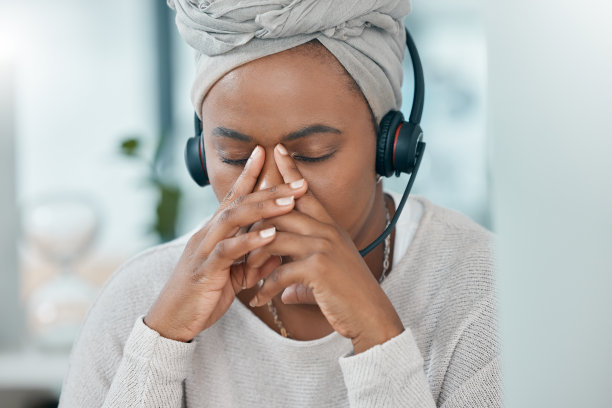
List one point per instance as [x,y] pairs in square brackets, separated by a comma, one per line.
[399,147]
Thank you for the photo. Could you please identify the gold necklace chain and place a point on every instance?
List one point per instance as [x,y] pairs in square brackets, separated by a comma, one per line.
[385,272]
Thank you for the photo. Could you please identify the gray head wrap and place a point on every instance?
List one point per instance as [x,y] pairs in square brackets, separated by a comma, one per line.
[366,36]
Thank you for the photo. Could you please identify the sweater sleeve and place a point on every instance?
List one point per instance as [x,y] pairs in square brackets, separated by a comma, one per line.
[150,373]
[152,370]
[117,360]
[392,374]
[387,375]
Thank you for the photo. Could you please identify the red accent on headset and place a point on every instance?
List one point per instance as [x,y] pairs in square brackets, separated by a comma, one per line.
[201,158]
[395,143]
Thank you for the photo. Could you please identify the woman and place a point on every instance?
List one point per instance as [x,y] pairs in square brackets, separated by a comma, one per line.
[270,303]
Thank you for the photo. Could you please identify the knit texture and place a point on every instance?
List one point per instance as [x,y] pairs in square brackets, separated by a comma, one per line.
[448,355]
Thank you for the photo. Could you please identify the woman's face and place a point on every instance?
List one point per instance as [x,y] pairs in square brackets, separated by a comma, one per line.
[306,103]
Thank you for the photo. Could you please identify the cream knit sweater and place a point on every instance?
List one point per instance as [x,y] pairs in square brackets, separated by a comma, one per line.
[448,356]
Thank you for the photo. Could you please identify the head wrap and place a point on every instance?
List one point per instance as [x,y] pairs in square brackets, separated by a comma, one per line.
[366,36]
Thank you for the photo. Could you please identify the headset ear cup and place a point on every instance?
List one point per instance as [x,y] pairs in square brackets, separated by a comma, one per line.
[406,148]
[194,159]
[384,144]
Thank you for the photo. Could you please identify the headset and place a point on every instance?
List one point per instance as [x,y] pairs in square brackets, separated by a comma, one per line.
[399,146]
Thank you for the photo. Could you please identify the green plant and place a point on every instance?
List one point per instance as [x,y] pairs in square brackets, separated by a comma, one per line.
[169,194]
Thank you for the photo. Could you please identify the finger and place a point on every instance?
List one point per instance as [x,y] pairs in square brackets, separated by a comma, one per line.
[294,221]
[295,188]
[308,204]
[238,276]
[242,230]
[286,165]
[296,246]
[242,280]
[245,183]
[300,223]
[251,208]
[301,235]
[298,294]
[280,278]
[254,275]
[228,250]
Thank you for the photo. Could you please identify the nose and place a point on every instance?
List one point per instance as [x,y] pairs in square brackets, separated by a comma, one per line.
[269,175]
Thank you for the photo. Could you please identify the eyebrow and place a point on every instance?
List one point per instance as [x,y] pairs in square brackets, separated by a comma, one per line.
[303,132]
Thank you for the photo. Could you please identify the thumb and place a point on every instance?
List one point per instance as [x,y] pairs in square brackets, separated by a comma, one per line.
[298,294]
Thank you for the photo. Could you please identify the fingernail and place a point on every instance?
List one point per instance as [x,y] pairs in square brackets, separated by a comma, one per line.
[267,233]
[254,153]
[281,149]
[253,302]
[284,200]
[296,184]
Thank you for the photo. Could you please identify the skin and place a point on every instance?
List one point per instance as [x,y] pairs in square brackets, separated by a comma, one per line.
[323,283]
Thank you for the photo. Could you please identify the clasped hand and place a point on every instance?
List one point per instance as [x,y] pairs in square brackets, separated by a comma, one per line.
[285,220]
[325,268]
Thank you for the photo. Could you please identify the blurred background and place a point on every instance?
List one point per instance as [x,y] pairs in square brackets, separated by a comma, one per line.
[97,118]
[95,112]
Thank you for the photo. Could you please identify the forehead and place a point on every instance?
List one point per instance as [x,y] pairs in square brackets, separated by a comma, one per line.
[289,86]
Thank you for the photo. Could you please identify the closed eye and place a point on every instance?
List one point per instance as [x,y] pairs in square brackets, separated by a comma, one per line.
[312,159]
[239,162]
[305,159]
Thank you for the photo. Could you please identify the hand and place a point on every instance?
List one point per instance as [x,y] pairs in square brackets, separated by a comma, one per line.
[326,261]
[207,277]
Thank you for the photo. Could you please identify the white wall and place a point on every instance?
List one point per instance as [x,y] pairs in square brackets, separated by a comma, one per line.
[550,124]
[451,43]
[11,314]
[85,81]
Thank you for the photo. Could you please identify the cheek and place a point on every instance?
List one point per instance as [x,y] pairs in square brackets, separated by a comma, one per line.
[222,177]
[221,183]
[347,191]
